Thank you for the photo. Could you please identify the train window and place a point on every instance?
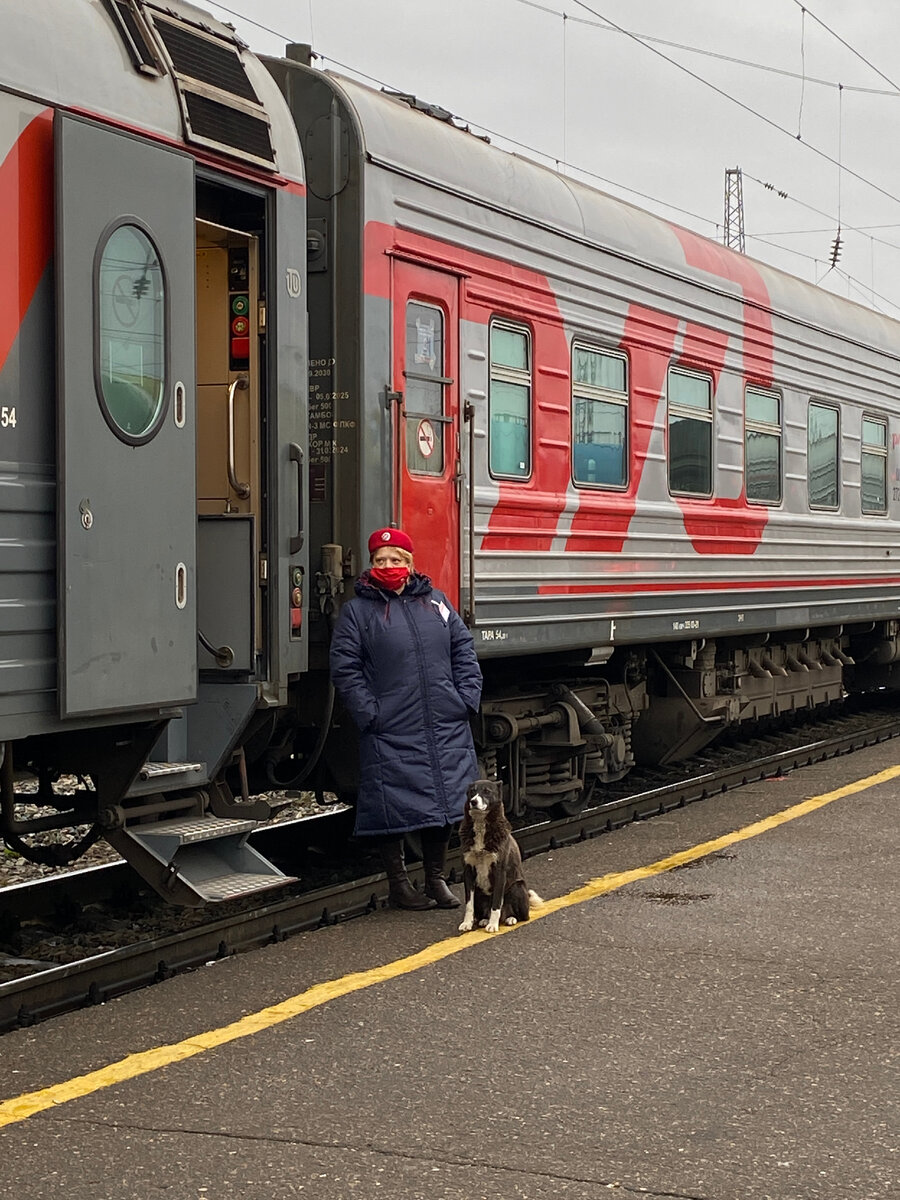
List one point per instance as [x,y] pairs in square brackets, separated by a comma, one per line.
[599,417]
[510,401]
[823,456]
[130,339]
[762,446]
[690,425]
[874,465]
[425,385]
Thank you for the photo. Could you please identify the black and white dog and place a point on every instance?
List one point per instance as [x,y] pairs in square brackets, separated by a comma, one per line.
[495,884]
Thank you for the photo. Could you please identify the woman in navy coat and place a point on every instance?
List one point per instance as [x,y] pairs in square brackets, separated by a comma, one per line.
[404,665]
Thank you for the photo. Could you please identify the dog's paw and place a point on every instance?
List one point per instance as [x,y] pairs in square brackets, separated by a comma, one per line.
[465,926]
[482,924]
[493,926]
[510,921]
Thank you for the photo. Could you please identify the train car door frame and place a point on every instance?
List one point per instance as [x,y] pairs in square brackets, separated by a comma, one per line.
[126,515]
[427,467]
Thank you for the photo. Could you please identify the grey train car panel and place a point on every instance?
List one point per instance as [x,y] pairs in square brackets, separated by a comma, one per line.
[143,147]
[126,512]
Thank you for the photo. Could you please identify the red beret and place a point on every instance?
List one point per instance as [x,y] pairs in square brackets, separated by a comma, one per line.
[390,537]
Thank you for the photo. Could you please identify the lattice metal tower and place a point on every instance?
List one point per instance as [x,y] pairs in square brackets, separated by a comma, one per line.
[734,209]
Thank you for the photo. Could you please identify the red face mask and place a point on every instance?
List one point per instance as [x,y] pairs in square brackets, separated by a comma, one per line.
[390,578]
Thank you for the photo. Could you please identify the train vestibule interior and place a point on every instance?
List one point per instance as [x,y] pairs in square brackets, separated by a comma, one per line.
[230,336]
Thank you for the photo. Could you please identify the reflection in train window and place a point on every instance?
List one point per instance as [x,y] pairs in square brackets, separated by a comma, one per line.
[510,401]
[425,386]
[874,465]
[690,433]
[599,417]
[762,446]
[131,343]
[823,456]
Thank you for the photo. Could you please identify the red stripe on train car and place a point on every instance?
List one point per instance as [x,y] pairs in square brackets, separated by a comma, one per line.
[721,525]
[526,515]
[722,585]
[600,523]
[725,264]
[26,222]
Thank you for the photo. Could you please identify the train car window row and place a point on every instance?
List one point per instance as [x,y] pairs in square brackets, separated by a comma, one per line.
[509,400]
[599,417]
[601,423]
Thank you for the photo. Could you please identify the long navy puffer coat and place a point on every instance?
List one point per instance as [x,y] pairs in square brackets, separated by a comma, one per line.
[405,668]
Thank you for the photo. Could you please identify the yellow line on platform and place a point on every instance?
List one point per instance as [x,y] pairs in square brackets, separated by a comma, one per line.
[20,1108]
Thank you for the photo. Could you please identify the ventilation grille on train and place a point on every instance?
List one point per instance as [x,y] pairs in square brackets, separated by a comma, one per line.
[219,106]
[222,125]
[209,62]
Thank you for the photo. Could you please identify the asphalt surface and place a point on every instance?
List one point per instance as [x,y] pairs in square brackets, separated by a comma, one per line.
[725,1030]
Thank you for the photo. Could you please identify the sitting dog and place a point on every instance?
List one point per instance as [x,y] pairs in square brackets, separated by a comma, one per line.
[494,882]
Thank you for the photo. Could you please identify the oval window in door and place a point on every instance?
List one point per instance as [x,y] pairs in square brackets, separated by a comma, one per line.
[130,333]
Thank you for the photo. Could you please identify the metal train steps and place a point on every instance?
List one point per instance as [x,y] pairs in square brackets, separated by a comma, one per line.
[198,860]
[153,775]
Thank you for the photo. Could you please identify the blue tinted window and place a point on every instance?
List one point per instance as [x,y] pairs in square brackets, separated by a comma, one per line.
[510,401]
[599,417]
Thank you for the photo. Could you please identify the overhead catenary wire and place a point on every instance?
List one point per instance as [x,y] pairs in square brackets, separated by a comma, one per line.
[706,53]
[847,46]
[643,40]
[742,105]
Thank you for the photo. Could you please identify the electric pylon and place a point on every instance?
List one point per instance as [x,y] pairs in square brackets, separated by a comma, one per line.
[734,209]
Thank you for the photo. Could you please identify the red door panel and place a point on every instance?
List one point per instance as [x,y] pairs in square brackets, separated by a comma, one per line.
[426,353]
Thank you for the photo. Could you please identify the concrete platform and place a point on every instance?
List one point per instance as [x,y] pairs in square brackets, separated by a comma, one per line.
[726,1029]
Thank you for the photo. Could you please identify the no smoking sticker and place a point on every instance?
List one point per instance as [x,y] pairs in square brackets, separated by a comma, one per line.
[425,439]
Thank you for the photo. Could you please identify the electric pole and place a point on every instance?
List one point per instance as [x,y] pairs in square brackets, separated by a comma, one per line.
[734,209]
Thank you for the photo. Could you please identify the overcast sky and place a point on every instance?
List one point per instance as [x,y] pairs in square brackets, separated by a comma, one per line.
[656,122]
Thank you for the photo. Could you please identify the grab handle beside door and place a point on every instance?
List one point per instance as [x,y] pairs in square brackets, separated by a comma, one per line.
[296,455]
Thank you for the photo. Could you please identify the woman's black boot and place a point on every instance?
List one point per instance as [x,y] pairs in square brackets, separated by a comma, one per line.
[401,893]
[434,856]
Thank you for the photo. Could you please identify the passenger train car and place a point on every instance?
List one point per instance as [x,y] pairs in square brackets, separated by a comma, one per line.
[258,310]
[658,478]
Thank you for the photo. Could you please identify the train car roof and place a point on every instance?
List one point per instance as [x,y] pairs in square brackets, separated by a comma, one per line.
[78,55]
[407,137]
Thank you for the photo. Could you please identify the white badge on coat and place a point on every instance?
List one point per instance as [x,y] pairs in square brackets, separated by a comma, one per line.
[442,609]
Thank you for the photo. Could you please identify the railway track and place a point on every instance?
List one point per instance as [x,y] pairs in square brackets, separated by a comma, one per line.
[70,911]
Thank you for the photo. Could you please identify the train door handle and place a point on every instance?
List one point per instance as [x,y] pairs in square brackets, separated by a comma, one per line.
[297,457]
[242,383]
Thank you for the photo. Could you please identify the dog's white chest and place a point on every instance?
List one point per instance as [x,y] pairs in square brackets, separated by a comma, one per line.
[479,859]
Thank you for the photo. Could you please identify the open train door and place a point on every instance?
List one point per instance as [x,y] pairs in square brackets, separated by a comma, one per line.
[428,475]
[126,434]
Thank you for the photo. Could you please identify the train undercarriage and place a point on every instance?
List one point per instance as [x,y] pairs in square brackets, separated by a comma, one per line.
[554,736]
[555,745]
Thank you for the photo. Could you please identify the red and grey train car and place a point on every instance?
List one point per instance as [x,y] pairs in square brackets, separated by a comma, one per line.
[658,477]
[254,311]
[152,426]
